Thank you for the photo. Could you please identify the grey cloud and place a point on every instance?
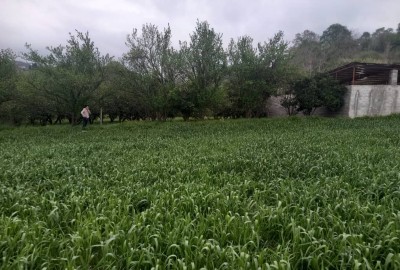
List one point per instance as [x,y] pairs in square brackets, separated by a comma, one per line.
[47,23]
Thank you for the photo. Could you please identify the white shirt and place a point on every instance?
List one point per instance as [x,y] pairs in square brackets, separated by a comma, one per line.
[85,113]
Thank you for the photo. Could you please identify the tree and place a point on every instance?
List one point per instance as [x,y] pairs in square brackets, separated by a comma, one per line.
[365,41]
[382,42]
[274,57]
[204,65]
[11,109]
[318,91]
[337,45]
[307,52]
[289,102]
[120,95]
[152,57]
[69,76]
[245,82]
[8,75]
[256,73]
[387,43]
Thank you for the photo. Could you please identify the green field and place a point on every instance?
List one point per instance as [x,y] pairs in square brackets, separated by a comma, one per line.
[297,193]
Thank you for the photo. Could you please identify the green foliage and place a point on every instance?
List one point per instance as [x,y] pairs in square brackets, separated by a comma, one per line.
[68,76]
[307,53]
[246,85]
[338,45]
[383,43]
[155,62]
[332,93]
[303,193]
[255,74]
[290,103]
[118,95]
[275,60]
[318,91]
[8,75]
[155,81]
[204,65]
[307,96]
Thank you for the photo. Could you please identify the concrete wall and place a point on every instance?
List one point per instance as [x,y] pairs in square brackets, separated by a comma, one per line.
[371,100]
[274,107]
[360,100]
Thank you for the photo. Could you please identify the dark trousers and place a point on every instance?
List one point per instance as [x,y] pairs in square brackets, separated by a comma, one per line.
[85,122]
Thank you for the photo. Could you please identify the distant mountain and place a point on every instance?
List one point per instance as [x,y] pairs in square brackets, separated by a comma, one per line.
[22,65]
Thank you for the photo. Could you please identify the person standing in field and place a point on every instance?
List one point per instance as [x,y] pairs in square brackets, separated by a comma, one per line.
[85,114]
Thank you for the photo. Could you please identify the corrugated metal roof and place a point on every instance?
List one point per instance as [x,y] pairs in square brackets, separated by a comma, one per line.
[364,73]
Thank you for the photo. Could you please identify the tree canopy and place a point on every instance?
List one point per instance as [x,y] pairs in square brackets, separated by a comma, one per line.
[8,73]
[201,78]
[318,91]
[69,76]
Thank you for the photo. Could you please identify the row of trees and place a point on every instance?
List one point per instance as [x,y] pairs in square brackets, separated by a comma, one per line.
[338,45]
[154,80]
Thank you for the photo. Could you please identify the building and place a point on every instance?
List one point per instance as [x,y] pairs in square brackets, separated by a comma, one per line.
[373,89]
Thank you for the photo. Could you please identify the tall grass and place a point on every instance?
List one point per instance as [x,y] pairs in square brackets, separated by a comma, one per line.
[298,193]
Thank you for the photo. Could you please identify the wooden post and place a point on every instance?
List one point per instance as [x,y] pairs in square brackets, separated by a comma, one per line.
[101,116]
[354,75]
[394,73]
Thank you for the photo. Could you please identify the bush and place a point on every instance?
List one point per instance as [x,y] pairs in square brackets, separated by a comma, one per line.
[318,91]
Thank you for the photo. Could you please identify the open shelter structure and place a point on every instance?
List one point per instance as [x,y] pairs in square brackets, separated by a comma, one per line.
[373,89]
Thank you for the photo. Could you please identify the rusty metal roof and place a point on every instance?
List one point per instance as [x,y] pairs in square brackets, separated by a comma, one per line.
[364,73]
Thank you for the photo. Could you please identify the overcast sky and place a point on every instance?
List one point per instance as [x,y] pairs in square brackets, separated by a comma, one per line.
[44,23]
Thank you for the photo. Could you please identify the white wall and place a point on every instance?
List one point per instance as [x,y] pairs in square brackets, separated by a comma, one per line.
[371,100]
[359,100]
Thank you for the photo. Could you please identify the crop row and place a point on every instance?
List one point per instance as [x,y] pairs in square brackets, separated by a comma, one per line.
[301,193]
